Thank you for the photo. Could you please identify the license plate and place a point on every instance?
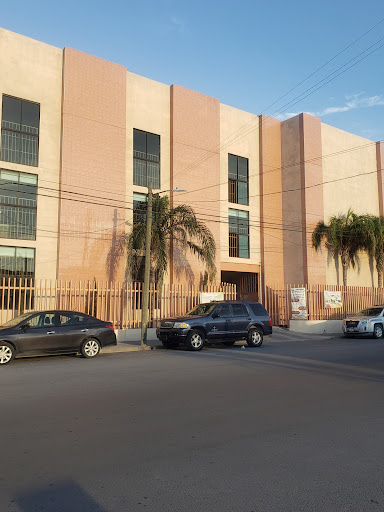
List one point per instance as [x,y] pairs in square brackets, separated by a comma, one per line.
[350,329]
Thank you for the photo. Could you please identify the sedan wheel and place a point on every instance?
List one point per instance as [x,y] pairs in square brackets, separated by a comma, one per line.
[195,340]
[255,338]
[7,353]
[378,331]
[90,348]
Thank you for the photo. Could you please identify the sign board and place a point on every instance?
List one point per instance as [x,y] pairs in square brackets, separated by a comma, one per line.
[298,303]
[209,296]
[332,299]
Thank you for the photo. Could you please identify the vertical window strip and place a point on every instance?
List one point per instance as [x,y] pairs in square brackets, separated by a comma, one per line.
[19,141]
[146,165]
[238,177]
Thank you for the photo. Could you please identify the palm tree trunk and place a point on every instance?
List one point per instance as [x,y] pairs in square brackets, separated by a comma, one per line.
[380,277]
[345,265]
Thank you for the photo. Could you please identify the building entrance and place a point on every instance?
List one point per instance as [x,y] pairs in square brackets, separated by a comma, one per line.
[247,284]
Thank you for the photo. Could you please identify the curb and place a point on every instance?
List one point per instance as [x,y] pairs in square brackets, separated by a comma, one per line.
[119,348]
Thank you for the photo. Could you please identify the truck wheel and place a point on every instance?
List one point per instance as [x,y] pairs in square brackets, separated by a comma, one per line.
[195,340]
[378,331]
[255,337]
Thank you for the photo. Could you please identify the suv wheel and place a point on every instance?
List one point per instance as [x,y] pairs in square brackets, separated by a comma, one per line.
[255,337]
[195,340]
[378,331]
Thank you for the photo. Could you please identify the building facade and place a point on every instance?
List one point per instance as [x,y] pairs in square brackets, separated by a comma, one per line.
[81,138]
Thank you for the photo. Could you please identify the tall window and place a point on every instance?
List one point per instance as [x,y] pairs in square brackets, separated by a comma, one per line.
[146,159]
[237,179]
[17,262]
[18,205]
[20,131]
[238,233]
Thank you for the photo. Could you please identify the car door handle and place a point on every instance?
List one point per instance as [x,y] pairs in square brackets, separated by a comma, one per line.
[50,332]
[228,320]
[84,330]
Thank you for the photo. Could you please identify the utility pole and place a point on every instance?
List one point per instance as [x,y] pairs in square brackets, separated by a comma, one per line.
[144,313]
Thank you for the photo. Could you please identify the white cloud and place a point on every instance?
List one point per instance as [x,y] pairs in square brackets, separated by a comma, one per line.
[352,102]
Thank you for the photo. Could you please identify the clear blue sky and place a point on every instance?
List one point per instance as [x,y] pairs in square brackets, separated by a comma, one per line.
[245,53]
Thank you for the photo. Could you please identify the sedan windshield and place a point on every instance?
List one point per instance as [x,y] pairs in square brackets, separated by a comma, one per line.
[371,312]
[202,309]
[16,320]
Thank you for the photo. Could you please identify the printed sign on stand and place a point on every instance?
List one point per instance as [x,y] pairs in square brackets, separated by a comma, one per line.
[332,299]
[299,303]
[210,296]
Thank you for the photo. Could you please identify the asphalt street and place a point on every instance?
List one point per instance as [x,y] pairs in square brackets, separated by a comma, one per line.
[294,426]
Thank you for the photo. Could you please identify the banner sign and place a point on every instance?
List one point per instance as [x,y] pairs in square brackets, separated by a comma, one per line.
[208,296]
[299,303]
[332,299]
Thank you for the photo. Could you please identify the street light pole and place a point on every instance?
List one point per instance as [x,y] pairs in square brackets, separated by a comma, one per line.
[144,312]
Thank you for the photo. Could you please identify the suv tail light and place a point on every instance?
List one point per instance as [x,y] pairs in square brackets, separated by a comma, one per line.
[270,321]
[110,326]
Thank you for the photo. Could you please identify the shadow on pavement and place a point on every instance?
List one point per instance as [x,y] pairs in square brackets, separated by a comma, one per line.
[313,363]
[61,497]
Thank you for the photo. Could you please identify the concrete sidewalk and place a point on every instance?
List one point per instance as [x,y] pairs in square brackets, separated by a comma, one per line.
[128,340]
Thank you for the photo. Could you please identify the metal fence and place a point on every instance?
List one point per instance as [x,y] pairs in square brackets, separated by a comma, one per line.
[354,298]
[117,302]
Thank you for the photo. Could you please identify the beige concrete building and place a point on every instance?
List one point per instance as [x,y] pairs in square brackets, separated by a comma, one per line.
[82,138]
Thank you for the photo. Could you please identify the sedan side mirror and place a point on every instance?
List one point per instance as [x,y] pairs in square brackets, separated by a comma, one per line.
[215,315]
[25,327]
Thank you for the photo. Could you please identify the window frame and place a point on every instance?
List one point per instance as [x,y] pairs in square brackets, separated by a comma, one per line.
[20,132]
[19,207]
[146,160]
[2,274]
[233,184]
[234,236]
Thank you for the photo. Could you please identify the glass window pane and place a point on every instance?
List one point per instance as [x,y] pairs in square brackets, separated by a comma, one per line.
[29,150]
[142,198]
[11,113]
[139,144]
[139,172]
[232,167]
[7,261]
[27,195]
[242,194]
[153,147]
[243,246]
[153,174]
[28,179]
[10,146]
[30,117]
[9,187]
[239,310]
[243,168]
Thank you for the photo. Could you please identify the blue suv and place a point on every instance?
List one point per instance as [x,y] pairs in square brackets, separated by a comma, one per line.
[217,322]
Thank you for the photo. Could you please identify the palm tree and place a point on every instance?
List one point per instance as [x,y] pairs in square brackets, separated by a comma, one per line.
[375,245]
[344,236]
[178,224]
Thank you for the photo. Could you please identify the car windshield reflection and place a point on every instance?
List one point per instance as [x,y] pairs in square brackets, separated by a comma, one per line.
[202,309]
[371,312]
[16,320]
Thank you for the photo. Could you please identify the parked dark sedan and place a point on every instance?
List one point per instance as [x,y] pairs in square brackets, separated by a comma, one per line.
[54,332]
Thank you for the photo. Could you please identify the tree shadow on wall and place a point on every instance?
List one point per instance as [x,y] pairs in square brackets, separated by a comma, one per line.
[181,266]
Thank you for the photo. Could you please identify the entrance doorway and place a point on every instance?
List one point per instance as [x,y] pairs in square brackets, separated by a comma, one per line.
[247,284]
